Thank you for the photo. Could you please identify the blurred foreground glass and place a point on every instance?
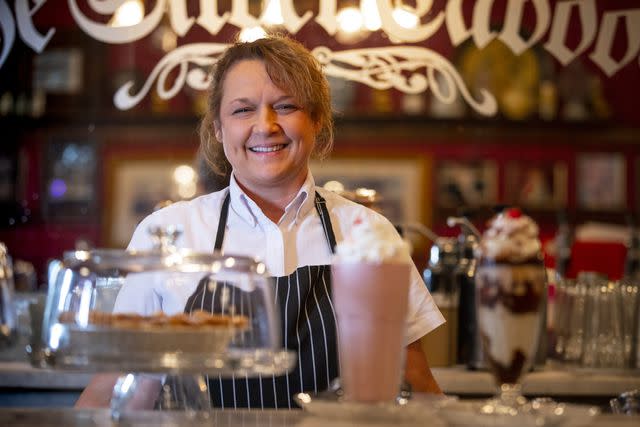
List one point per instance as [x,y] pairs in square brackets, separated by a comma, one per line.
[371,303]
[627,403]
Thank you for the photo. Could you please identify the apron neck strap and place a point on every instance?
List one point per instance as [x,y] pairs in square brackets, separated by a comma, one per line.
[321,208]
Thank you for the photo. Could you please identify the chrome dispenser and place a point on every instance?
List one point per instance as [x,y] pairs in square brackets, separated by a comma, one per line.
[439,278]
[469,350]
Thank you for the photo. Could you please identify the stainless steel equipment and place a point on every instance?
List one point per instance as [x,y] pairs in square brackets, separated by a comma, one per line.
[439,276]
[469,350]
[8,323]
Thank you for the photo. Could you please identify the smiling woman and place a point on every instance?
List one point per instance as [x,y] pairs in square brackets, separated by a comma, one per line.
[269,112]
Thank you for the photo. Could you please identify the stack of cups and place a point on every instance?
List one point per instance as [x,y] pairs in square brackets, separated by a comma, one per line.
[603,341]
[630,296]
[597,322]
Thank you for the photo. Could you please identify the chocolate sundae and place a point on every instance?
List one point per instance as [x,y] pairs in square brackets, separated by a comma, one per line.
[510,287]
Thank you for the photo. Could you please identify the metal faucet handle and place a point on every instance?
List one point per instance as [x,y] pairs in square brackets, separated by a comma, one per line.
[462,221]
[421,229]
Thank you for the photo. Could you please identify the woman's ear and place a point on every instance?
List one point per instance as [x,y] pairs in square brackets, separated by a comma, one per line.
[217,132]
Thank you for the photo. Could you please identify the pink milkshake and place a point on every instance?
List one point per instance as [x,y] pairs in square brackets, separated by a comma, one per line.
[370,279]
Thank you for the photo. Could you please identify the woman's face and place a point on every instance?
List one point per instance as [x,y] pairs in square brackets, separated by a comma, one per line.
[267,135]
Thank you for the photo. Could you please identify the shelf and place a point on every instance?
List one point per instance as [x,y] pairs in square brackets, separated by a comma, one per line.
[361,128]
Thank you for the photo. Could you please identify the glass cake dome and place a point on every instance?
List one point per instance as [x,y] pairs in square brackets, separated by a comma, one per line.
[228,324]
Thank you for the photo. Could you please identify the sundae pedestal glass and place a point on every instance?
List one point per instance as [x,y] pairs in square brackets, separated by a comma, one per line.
[509,308]
[510,295]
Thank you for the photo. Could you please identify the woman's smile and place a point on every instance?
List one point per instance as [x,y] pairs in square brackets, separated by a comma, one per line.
[264,149]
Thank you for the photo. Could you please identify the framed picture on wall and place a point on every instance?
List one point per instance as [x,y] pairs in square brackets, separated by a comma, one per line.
[601,181]
[536,185]
[400,182]
[466,183]
[137,183]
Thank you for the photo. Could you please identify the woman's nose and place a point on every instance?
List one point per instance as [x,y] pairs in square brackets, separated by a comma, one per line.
[266,121]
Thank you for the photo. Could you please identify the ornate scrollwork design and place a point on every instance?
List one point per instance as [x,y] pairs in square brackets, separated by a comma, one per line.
[406,68]
[202,55]
[409,69]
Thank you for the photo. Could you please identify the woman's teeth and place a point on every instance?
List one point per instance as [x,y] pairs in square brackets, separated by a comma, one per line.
[267,149]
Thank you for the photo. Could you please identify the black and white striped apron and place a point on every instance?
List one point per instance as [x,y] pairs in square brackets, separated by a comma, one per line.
[309,328]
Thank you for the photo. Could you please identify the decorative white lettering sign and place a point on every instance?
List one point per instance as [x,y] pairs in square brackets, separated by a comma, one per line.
[408,68]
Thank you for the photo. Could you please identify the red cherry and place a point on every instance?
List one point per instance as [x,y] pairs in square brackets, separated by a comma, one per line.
[514,213]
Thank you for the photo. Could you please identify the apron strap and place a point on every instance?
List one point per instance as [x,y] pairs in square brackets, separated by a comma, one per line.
[321,207]
[224,213]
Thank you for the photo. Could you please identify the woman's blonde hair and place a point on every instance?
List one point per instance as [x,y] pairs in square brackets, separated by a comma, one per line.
[291,67]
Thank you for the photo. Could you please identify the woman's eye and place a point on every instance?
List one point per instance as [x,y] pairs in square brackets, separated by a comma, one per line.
[241,110]
[286,107]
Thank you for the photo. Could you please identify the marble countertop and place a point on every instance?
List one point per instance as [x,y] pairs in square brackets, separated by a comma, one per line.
[23,417]
[453,380]
[550,381]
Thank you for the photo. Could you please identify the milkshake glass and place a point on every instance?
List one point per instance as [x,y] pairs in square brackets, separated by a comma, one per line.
[371,306]
[370,291]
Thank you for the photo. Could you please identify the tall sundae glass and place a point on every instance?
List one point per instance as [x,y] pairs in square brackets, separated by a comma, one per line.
[510,290]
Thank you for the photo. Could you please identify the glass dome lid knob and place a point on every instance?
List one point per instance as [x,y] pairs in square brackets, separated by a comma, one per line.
[165,236]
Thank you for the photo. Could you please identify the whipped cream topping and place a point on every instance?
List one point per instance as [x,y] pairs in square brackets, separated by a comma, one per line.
[373,242]
[511,236]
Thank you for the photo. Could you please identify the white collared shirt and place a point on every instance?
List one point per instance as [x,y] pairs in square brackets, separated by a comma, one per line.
[297,239]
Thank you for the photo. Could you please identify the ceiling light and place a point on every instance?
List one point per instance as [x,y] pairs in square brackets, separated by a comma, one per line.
[128,14]
[405,18]
[252,34]
[272,14]
[371,16]
[350,20]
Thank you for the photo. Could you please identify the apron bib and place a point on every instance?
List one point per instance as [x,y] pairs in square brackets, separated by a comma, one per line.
[308,327]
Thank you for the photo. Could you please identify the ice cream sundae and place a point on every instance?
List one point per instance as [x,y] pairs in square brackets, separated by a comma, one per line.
[370,280]
[510,283]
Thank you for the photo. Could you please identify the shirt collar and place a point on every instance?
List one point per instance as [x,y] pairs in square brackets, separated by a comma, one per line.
[241,204]
[303,202]
[249,212]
